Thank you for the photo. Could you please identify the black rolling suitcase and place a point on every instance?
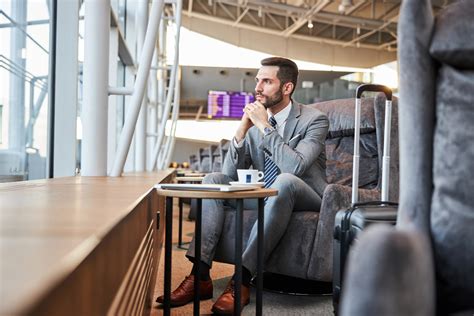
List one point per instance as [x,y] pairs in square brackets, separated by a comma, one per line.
[350,222]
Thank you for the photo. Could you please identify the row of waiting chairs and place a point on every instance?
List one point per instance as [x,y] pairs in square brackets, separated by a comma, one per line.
[209,159]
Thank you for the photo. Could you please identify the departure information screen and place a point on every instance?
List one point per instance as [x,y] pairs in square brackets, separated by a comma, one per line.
[227,104]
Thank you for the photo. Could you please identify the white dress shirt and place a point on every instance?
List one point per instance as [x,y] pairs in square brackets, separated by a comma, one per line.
[281,118]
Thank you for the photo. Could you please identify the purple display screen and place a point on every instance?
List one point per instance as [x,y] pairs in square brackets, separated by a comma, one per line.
[226,104]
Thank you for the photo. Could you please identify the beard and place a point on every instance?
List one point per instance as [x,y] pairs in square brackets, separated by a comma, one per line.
[272,100]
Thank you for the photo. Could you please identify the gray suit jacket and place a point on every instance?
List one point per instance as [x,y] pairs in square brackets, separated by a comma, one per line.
[301,151]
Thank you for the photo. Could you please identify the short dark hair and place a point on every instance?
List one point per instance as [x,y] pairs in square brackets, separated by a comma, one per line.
[287,70]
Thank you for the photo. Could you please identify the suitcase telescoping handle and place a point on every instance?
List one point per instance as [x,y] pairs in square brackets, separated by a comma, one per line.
[386,143]
[374,88]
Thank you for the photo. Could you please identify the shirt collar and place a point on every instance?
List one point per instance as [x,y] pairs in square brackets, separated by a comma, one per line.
[281,116]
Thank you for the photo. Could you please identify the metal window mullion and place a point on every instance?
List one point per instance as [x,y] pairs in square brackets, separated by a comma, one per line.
[152,117]
[16,112]
[171,88]
[171,141]
[112,108]
[170,148]
[137,96]
[140,129]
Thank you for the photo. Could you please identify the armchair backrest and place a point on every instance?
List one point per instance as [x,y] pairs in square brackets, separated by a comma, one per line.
[340,142]
[436,58]
[204,155]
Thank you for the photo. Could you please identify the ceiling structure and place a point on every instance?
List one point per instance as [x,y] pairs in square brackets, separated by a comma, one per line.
[352,33]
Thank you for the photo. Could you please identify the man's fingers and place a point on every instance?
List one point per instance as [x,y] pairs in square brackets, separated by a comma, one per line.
[249,108]
[258,104]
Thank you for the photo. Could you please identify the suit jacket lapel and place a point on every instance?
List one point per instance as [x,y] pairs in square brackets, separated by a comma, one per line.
[293,118]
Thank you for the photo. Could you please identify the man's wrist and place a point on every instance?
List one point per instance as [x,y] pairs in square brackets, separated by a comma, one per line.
[268,130]
[240,134]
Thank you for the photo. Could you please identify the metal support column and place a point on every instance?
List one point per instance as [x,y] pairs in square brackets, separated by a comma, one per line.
[112,108]
[162,72]
[161,97]
[142,76]
[152,118]
[64,162]
[16,116]
[96,73]
[172,86]
[167,151]
[140,129]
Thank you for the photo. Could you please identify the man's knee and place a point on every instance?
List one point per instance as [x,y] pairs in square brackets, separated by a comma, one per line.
[285,181]
[215,178]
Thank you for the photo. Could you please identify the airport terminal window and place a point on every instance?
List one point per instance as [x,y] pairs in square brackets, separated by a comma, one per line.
[1,124]
[24,71]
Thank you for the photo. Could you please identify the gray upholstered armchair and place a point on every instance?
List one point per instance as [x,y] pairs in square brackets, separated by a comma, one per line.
[425,266]
[305,250]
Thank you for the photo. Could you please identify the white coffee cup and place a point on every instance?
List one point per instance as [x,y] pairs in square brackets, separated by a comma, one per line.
[249,175]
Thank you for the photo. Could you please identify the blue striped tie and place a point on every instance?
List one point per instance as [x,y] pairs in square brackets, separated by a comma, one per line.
[271,169]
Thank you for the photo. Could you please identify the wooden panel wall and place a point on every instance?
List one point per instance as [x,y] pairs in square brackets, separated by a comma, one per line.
[117,273]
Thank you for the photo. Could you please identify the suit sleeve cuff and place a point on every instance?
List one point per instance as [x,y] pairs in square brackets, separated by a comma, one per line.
[238,144]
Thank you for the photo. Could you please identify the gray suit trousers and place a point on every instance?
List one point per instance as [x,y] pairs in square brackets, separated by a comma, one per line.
[293,195]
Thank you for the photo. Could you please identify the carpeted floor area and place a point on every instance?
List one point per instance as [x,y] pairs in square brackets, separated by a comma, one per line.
[273,303]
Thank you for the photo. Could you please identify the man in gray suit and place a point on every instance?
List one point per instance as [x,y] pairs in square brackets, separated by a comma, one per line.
[286,141]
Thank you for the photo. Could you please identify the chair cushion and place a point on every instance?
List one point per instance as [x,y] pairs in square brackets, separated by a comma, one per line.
[339,160]
[290,257]
[341,115]
[453,36]
[452,212]
[340,142]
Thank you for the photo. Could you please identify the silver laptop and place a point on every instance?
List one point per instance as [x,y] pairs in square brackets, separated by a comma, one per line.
[204,187]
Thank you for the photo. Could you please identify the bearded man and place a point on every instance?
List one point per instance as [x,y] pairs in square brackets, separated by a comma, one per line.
[283,139]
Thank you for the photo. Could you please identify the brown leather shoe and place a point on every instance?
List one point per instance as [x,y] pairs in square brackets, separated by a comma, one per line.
[225,302]
[184,293]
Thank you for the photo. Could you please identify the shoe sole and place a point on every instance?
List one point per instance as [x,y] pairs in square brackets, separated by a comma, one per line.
[202,298]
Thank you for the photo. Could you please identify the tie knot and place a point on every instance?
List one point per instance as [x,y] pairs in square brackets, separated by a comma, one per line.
[272,121]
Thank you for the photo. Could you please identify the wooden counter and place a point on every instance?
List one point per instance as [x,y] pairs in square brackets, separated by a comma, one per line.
[80,245]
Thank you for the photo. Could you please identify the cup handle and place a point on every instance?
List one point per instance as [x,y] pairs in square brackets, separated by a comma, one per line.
[260,175]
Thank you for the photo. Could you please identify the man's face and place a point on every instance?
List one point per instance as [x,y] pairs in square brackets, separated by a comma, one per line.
[268,88]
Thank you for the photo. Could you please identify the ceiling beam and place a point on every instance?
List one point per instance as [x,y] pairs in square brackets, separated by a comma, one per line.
[241,16]
[319,6]
[344,34]
[355,7]
[286,9]
[291,11]
[387,13]
[249,14]
[277,24]
[230,14]
[273,32]
[388,45]
[322,29]
[190,6]
[205,8]
[359,38]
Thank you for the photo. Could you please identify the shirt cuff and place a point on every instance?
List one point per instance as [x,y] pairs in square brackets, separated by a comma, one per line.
[238,144]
